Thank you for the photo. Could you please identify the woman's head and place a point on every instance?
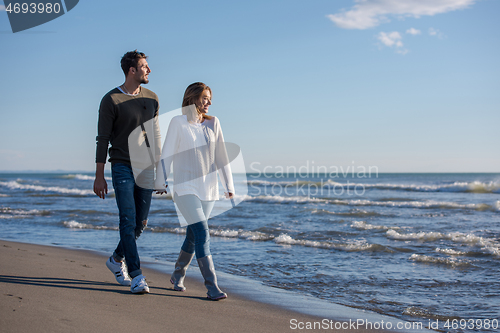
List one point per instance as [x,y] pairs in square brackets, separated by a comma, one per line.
[200,95]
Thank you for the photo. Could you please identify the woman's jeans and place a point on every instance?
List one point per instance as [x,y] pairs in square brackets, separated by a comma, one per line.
[133,206]
[196,212]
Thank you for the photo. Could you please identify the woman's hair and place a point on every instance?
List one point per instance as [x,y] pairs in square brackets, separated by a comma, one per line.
[193,94]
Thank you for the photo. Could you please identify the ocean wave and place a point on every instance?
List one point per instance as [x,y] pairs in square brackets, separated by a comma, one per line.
[450,252]
[78,225]
[55,189]
[454,262]
[81,177]
[281,239]
[354,246]
[467,187]
[487,245]
[85,212]
[227,233]
[430,204]
[413,204]
[284,199]
[362,225]
[423,313]
[423,236]
[248,235]
[9,213]
[169,230]
[283,183]
[472,187]
[352,213]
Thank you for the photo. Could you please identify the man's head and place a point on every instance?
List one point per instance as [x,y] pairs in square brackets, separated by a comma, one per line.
[134,63]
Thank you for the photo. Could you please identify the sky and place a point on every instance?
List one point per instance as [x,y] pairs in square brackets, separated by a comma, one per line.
[403,86]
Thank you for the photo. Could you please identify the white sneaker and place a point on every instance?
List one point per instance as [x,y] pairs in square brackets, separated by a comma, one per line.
[139,285]
[120,271]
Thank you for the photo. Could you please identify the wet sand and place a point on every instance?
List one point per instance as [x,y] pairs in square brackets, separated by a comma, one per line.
[53,289]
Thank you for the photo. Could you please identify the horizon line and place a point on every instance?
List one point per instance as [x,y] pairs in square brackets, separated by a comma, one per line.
[261,172]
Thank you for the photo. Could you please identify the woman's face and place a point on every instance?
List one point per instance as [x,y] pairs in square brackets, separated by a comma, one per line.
[205,101]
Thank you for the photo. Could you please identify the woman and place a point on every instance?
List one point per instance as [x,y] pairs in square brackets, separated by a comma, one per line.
[195,145]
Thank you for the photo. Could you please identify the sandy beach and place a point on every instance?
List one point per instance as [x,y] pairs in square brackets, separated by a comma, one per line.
[52,289]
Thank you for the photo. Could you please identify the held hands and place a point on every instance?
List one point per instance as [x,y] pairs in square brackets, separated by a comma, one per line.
[229,195]
[160,185]
[161,191]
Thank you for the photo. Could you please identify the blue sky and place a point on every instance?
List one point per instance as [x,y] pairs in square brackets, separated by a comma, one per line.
[407,86]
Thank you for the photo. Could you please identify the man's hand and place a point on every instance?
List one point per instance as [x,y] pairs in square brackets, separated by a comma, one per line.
[229,195]
[100,187]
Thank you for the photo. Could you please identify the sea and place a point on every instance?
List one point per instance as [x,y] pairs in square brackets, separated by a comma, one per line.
[416,247]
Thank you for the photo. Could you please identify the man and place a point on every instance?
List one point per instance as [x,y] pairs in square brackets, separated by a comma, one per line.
[122,110]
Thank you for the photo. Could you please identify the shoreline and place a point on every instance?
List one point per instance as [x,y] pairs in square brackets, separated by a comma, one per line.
[50,288]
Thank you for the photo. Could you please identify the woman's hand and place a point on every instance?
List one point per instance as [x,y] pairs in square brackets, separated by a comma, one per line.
[229,195]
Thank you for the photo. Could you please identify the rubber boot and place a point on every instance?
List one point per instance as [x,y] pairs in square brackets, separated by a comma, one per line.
[208,271]
[179,273]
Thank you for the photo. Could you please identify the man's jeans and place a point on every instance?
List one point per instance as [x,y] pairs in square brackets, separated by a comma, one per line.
[133,206]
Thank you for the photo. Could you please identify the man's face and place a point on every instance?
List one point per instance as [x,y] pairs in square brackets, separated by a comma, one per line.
[142,72]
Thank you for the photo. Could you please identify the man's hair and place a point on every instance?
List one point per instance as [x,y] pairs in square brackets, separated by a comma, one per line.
[130,59]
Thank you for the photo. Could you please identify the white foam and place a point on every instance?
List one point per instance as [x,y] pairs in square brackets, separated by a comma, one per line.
[227,233]
[171,230]
[8,213]
[249,235]
[410,204]
[362,225]
[423,313]
[224,233]
[479,187]
[492,249]
[259,182]
[364,202]
[255,235]
[77,225]
[450,252]
[356,245]
[22,211]
[475,186]
[436,260]
[82,177]
[415,236]
[285,199]
[322,211]
[57,189]
[487,245]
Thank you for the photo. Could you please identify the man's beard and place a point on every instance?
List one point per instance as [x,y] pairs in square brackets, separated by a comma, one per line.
[144,81]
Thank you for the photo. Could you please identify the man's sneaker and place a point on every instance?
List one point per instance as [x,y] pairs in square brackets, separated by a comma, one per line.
[119,270]
[139,285]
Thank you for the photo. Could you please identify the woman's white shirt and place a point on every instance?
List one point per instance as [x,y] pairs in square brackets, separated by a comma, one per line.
[198,153]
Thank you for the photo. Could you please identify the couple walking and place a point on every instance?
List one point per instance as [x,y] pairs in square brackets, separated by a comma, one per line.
[122,110]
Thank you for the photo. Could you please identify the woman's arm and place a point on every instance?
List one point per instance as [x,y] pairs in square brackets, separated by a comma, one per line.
[222,161]
[167,155]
